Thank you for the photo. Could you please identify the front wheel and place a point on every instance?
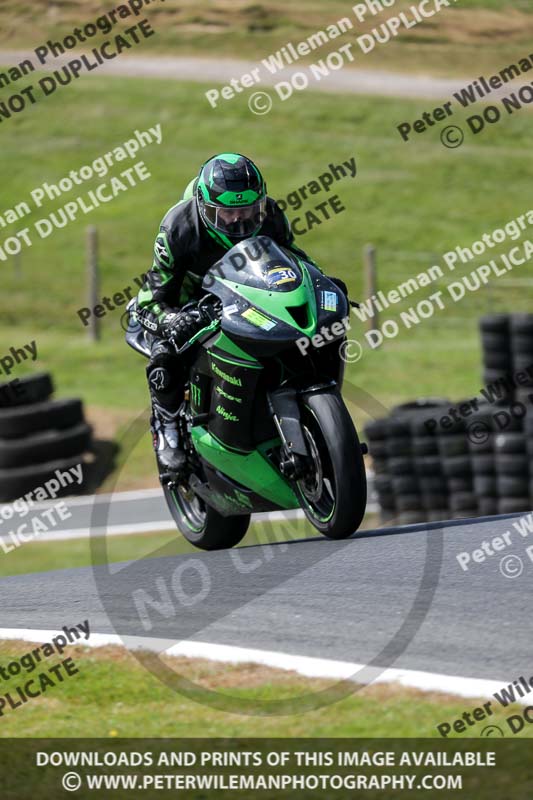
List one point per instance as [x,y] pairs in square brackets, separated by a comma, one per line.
[201,525]
[333,494]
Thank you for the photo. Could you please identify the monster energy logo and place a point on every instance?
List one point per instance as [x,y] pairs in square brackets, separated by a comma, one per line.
[228,378]
[226,414]
[196,394]
[222,393]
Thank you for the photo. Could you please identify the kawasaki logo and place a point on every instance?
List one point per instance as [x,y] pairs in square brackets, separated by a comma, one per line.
[228,378]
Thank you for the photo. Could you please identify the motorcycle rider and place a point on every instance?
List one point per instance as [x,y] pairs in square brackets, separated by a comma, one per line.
[226,203]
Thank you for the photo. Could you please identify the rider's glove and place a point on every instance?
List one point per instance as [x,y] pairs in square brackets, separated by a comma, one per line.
[180,327]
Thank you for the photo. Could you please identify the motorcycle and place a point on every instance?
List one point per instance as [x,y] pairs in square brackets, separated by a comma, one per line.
[263,422]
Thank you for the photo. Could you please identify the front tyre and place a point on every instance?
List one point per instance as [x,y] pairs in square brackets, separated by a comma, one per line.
[333,494]
[200,524]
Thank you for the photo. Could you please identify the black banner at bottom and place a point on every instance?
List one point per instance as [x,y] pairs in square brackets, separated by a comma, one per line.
[266,768]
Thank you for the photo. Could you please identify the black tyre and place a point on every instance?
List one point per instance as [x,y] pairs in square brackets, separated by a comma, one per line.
[510,443]
[463,501]
[512,465]
[499,360]
[405,484]
[423,404]
[387,502]
[26,390]
[509,418]
[484,464]
[377,430]
[524,395]
[401,466]
[378,449]
[427,423]
[487,506]
[397,447]
[425,446]
[512,486]
[523,345]
[495,376]
[41,447]
[521,324]
[409,502]
[522,362]
[494,341]
[399,427]
[454,445]
[17,482]
[495,323]
[428,466]
[380,465]
[432,484]
[485,486]
[334,497]
[512,505]
[383,484]
[200,524]
[458,485]
[25,420]
[432,501]
[457,466]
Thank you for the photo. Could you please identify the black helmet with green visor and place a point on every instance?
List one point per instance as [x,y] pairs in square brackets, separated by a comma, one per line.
[231,196]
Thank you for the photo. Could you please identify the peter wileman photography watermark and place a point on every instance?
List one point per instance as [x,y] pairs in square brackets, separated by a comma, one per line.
[46,519]
[511,565]
[498,266]
[17,355]
[513,692]
[325,210]
[260,102]
[83,204]
[479,430]
[479,91]
[40,682]
[132,36]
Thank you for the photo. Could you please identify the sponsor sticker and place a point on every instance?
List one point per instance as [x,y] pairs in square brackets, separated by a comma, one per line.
[258,319]
[280,275]
[330,301]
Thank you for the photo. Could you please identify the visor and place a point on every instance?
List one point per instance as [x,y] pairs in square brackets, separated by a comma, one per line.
[236,221]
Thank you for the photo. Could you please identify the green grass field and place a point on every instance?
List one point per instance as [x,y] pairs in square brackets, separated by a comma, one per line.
[463,39]
[115,695]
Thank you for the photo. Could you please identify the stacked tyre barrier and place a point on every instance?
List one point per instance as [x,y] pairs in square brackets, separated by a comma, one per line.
[39,436]
[473,466]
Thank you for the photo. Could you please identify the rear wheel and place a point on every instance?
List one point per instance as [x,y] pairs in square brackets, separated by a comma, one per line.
[333,495]
[201,525]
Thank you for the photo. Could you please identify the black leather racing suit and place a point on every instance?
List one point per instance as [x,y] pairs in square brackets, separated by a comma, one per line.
[184,251]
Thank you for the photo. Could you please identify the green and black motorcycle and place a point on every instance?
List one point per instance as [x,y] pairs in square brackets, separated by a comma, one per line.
[263,422]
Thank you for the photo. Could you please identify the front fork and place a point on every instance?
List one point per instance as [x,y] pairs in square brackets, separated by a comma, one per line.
[296,462]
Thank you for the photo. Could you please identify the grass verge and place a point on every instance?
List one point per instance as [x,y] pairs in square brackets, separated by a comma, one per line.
[114,695]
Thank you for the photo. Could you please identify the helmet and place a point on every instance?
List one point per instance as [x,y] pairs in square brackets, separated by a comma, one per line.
[231,196]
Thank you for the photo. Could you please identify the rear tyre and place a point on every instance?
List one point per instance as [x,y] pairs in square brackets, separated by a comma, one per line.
[334,497]
[200,524]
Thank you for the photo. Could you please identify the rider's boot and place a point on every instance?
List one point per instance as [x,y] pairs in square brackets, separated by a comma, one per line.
[166,440]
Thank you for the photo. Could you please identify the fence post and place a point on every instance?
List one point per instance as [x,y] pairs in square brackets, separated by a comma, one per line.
[93,282]
[371,283]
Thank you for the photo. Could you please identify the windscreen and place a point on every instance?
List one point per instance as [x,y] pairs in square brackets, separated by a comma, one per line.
[259,263]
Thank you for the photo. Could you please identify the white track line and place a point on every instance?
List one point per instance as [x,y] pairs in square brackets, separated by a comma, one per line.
[304,665]
[137,528]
